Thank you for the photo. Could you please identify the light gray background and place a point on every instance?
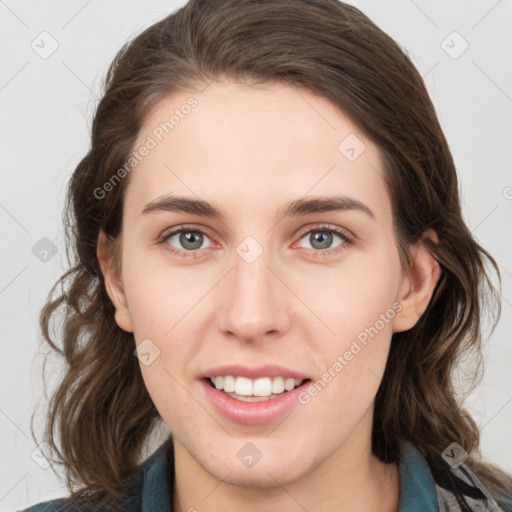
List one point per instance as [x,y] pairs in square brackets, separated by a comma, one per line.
[45,117]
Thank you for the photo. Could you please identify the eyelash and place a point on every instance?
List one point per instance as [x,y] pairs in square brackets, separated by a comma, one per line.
[322,228]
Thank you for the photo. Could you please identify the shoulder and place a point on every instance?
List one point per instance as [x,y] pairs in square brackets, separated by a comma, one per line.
[459,488]
[149,484]
[57,505]
[129,503]
[73,505]
[427,485]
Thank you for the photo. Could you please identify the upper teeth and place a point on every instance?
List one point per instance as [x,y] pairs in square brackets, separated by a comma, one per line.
[264,386]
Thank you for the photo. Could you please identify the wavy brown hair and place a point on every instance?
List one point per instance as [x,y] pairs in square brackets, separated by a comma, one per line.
[101,415]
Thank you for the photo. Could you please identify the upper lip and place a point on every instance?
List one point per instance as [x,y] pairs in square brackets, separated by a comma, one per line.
[254,372]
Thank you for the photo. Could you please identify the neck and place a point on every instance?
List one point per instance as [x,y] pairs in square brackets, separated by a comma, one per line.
[350,479]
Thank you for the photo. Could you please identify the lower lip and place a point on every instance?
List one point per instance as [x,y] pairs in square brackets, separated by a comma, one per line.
[252,413]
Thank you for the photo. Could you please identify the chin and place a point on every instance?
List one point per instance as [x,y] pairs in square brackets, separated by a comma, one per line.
[262,476]
[272,470]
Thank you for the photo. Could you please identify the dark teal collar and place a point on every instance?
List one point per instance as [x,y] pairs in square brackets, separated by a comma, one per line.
[417,487]
[157,475]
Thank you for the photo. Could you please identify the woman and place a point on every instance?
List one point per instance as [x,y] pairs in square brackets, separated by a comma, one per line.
[268,218]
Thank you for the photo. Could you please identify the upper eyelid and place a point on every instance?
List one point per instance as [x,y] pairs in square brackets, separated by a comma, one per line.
[327,227]
[191,228]
[346,234]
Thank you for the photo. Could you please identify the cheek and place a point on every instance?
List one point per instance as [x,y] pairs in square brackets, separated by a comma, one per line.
[163,306]
[358,306]
[349,299]
[166,389]
[160,296]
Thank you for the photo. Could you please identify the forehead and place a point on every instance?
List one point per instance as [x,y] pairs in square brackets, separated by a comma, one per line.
[253,147]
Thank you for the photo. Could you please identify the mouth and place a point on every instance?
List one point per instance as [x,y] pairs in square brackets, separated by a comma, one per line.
[254,390]
[262,389]
[253,401]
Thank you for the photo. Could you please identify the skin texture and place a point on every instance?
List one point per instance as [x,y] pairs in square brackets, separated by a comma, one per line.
[249,150]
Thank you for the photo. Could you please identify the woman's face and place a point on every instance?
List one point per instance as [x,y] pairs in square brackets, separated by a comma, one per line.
[256,290]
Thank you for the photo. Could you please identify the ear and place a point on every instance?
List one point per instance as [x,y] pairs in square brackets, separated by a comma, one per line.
[417,289]
[113,281]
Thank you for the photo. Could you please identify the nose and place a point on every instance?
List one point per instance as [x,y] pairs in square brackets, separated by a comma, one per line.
[253,302]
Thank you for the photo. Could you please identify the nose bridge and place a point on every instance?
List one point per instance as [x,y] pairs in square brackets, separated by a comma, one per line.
[252,304]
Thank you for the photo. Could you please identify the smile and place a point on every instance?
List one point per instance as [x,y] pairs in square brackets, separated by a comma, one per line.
[254,390]
[250,409]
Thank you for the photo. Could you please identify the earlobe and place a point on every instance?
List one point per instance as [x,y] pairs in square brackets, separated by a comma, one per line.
[113,282]
[417,289]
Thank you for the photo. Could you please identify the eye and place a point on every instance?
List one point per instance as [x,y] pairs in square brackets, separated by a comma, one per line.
[321,238]
[185,241]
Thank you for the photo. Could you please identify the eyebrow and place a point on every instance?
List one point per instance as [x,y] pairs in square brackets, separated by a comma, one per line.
[296,208]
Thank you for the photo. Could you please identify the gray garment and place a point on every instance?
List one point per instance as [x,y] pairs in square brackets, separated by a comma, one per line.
[457,488]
